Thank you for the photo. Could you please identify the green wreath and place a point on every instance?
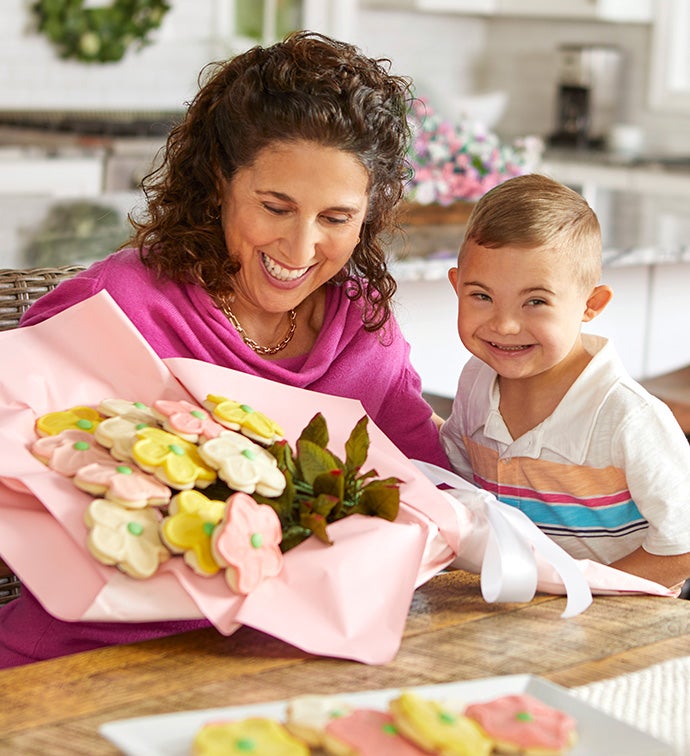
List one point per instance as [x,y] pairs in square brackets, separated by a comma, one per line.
[98,34]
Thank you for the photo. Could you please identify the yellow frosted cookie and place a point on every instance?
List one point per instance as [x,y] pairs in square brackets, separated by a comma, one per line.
[171,459]
[256,736]
[243,418]
[119,433]
[76,418]
[436,728]
[192,518]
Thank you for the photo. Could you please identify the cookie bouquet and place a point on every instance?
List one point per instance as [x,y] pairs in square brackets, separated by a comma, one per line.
[136,489]
[217,485]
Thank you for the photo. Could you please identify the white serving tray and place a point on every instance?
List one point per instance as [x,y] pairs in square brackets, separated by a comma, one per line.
[598,734]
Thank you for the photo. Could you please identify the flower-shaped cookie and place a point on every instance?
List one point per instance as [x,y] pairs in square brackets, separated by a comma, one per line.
[436,728]
[128,486]
[76,418]
[118,433]
[243,465]
[241,417]
[246,736]
[127,538]
[171,459]
[186,420]
[521,722]
[188,529]
[124,408]
[68,451]
[246,542]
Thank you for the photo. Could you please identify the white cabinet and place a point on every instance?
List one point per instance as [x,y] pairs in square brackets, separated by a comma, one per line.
[588,10]
[669,318]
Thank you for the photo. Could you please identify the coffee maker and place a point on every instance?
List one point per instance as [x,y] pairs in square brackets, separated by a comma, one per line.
[588,94]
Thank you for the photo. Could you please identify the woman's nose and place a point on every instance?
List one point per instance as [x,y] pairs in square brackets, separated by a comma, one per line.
[302,242]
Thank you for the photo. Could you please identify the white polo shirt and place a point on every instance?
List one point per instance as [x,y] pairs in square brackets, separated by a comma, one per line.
[607,472]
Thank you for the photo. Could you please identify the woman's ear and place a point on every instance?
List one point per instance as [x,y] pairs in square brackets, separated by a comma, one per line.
[599,297]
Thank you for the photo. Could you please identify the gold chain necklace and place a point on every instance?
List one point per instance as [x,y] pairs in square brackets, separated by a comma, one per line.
[255,346]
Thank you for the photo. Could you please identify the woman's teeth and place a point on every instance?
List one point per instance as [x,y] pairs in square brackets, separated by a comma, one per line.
[281,273]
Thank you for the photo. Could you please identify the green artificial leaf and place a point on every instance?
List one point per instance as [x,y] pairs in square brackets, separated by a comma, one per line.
[283,453]
[357,445]
[316,431]
[380,498]
[331,483]
[313,460]
[293,536]
[317,524]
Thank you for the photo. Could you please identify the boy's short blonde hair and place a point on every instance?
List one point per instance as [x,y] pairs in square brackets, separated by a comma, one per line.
[534,211]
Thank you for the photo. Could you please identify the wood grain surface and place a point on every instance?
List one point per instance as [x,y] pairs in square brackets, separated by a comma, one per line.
[55,707]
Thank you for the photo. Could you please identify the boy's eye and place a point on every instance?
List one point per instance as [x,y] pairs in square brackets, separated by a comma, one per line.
[481,296]
[536,301]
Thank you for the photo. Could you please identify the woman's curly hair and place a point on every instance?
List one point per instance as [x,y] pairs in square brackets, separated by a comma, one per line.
[307,87]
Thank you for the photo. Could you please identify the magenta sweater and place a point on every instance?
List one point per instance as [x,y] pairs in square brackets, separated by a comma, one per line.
[182,321]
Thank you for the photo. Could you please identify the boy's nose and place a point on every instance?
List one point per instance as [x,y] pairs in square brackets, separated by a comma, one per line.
[505,323]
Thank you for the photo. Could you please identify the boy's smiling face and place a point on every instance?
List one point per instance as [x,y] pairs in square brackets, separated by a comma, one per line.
[520,310]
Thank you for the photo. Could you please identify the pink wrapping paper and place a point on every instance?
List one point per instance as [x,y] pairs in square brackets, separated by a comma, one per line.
[349,600]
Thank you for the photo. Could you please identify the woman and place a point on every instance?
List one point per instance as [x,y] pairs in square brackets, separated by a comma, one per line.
[260,252]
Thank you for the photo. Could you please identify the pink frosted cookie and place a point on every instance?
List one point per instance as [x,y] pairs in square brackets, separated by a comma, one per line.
[68,451]
[243,418]
[243,465]
[246,542]
[171,459]
[308,715]
[128,486]
[126,538]
[366,732]
[523,724]
[77,418]
[257,736]
[188,421]
[192,518]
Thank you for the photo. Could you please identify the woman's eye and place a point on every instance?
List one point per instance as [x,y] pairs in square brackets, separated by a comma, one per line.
[336,220]
[276,210]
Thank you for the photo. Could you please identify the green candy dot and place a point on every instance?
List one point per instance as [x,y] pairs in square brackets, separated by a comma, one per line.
[84,424]
[390,729]
[123,470]
[245,744]
[246,408]
[257,540]
[81,445]
[524,716]
[139,426]
[176,449]
[135,528]
[140,405]
[446,717]
[208,528]
[248,453]
[198,414]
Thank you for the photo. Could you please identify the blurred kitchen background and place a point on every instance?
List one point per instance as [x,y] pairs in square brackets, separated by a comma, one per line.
[599,88]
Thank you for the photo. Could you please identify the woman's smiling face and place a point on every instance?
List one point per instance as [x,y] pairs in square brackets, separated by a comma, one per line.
[292,219]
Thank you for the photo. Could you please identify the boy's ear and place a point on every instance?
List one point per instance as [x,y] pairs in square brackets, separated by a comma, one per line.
[597,301]
[453,278]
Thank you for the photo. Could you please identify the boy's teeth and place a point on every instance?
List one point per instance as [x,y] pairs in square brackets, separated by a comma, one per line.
[282,274]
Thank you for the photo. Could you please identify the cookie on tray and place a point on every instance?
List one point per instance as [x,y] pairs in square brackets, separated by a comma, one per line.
[257,736]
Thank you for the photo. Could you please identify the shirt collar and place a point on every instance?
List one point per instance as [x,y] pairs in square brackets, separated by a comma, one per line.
[568,430]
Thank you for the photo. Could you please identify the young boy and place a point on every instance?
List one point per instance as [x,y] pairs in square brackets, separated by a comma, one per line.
[545,417]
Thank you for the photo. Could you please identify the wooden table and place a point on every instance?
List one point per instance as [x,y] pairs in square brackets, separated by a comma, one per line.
[55,707]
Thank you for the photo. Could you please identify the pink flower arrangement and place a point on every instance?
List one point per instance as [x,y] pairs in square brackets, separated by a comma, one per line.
[461,162]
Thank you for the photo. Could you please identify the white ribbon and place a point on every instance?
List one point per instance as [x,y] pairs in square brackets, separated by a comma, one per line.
[509,546]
